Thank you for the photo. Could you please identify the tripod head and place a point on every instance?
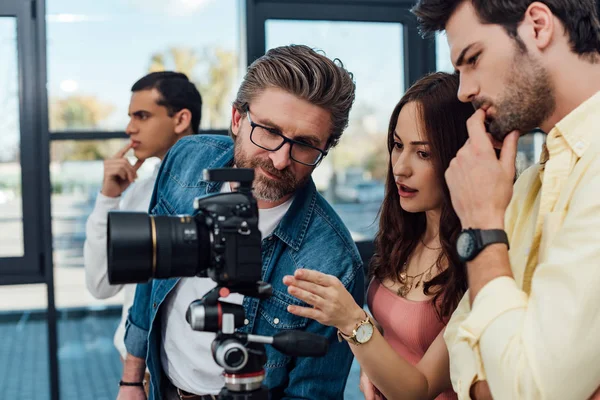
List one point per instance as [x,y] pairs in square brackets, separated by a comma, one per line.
[242,355]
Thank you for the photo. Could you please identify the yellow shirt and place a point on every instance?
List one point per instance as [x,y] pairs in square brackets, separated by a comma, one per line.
[537,336]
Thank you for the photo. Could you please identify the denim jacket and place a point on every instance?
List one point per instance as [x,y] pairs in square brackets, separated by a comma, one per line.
[310,235]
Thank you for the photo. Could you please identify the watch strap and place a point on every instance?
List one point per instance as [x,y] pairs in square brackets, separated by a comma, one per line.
[352,338]
[492,236]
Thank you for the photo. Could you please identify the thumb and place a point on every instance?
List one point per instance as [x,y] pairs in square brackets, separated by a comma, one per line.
[509,151]
[138,164]
[369,393]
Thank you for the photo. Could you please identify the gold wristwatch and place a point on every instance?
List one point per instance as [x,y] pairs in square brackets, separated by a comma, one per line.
[361,334]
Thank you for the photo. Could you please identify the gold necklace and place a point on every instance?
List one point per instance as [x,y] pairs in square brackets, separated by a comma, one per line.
[430,248]
[408,281]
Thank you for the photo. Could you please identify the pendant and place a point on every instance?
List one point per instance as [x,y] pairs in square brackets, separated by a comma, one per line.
[403,291]
[402,277]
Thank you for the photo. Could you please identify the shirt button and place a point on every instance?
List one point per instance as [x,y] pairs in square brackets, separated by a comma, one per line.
[276,321]
[246,322]
[579,146]
[154,305]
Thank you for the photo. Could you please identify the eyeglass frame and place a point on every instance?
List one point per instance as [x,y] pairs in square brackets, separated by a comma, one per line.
[292,142]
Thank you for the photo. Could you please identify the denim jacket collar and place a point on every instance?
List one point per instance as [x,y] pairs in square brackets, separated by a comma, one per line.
[225,159]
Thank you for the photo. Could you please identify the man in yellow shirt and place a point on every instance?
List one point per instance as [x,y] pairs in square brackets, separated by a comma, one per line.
[529,325]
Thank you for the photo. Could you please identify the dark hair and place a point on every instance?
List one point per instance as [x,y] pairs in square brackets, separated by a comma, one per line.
[444,120]
[176,92]
[307,74]
[579,17]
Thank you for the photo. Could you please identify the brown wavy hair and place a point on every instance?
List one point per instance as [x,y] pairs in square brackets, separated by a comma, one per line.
[444,120]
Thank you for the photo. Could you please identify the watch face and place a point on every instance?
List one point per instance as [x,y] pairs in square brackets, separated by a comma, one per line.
[364,333]
[465,245]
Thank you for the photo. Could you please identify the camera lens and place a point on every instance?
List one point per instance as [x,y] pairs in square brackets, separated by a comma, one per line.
[140,247]
[129,247]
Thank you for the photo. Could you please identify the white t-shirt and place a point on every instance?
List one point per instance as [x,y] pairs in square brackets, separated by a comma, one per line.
[185,354]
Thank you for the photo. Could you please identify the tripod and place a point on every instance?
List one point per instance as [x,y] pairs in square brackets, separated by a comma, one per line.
[242,355]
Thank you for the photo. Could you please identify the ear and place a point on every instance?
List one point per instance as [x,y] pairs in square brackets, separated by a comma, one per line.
[236,121]
[183,121]
[541,24]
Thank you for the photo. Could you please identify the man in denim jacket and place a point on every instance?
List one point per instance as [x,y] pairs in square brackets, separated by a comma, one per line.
[291,108]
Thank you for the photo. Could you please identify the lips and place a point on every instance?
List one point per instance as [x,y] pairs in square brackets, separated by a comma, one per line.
[135,144]
[407,189]
[406,192]
[271,174]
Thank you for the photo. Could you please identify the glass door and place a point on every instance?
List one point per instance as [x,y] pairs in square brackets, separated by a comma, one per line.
[380,44]
[28,364]
[20,204]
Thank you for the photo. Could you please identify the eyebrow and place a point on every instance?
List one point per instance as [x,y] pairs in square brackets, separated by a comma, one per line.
[461,57]
[139,113]
[414,143]
[311,139]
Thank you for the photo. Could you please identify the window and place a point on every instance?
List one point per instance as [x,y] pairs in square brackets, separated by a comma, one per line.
[442,53]
[97,50]
[11,209]
[352,176]
[76,171]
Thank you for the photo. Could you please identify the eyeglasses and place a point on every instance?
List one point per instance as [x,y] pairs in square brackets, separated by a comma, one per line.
[272,140]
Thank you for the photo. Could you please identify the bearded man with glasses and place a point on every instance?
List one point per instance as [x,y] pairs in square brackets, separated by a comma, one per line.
[290,110]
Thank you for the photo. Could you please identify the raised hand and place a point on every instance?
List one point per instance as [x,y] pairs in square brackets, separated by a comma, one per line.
[331,303]
[119,173]
[481,184]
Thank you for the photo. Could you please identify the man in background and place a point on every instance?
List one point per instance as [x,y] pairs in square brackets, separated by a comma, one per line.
[164,107]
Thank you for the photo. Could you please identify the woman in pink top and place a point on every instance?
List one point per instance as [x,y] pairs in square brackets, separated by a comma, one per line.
[417,278]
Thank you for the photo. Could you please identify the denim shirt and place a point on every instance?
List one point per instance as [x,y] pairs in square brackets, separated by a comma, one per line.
[310,235]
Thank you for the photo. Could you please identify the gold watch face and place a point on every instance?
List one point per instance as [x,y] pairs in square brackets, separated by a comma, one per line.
[364,333]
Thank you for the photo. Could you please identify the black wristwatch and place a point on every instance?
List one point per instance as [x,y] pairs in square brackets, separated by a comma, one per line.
[471,242]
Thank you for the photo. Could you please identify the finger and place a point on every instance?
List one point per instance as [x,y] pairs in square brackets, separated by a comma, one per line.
[138,164]
[125,171]
[508,154]
[306,312]
[121,153]
[316,277]
[307,285]
[131,172]
[121,173]
[496,144]
[369,392]
[478,135]
[306,297]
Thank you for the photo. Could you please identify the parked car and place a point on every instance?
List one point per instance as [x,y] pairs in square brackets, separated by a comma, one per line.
[363,192]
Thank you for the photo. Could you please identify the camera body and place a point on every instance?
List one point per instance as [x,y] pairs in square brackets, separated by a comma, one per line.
[221,240]
[232,221]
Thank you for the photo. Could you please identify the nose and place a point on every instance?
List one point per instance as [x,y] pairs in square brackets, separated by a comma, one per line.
[131,128]
[467,90]
[401,166]
[281,158]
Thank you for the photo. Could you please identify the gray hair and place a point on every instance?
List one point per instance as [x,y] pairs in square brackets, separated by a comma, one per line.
[303,72]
